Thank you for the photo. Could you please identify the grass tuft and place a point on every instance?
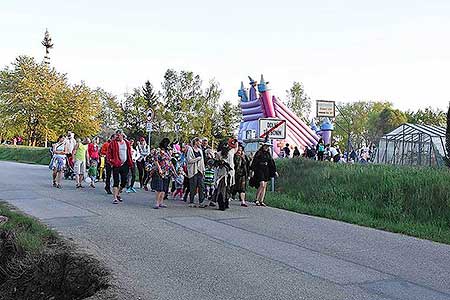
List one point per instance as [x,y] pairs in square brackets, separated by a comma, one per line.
[31,235]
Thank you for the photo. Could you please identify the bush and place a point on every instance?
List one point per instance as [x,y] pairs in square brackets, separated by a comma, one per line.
[35,155]
[410,200]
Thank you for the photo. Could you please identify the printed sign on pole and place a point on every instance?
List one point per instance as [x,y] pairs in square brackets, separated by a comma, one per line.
[325,108]
[149,127]
[272,128]
[150,115]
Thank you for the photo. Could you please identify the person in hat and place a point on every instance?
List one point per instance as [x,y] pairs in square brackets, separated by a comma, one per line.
[263,167]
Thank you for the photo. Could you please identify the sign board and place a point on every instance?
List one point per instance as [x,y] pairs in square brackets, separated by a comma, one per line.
[272,128]
[149,127]
[325,108]
[150,115]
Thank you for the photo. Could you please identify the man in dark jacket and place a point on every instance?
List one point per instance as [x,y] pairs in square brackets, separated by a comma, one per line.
[119,157]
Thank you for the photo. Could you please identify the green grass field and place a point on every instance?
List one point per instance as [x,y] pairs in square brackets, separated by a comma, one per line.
[408,200]
[31,235]
[34,155]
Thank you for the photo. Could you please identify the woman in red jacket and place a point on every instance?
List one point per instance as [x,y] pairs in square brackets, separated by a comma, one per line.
[119,157]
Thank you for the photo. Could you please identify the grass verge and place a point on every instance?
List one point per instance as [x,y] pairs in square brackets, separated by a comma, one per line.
[407,200]
[35,263]
[33,155]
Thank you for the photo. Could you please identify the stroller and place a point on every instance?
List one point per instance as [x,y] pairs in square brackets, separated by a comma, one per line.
[69,172]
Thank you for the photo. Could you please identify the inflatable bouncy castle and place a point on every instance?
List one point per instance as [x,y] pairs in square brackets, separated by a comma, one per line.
[255,107]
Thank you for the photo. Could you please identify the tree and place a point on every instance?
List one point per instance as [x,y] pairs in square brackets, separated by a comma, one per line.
[134,107]
[389,119]
[150,95]
[298,101]
[363,116]
[186,104]
[38,103]
[227,120]
[111,113]
[428,116]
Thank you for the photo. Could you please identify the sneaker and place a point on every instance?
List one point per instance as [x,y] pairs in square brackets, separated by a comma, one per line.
[212,204]
[128,191]
[133,190]
[203,206]
[145,188]
[163,206]
[92,185]
[115,201]
[108,192]
[192,205]
[54,184]
[263,204]
[78,186]
[119,198]
[156,206]
[257,203]
[244,205]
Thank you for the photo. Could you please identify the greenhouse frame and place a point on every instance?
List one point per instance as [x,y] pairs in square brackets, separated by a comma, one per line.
[413,144]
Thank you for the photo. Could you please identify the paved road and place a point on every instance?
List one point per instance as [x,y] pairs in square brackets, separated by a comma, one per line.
[243,253]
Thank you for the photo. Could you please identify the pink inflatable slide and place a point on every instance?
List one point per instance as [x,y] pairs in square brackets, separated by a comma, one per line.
[297,132]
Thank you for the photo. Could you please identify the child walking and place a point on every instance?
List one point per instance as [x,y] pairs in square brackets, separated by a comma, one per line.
[179,180]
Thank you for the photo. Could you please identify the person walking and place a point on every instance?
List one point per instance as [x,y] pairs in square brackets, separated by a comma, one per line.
[132,174]
[163,169]
[196,171]
[81,155]
[144,150]
[58,161]
[320,149]
[94,158]
[287,151]
[296,152]
[120,159]
[108,168]
[264,168]
[241,173]
[70,144]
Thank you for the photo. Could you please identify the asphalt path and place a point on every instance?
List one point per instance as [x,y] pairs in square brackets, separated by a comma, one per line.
[243,253]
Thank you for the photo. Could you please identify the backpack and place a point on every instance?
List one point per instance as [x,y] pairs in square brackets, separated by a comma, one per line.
[321,148]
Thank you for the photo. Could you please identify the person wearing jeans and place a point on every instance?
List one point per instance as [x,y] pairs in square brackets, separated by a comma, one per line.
[196,171]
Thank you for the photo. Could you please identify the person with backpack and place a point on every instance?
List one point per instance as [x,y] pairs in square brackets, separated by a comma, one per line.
[320,149]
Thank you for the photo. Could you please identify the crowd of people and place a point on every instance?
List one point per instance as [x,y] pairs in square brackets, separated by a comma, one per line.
[331,152]
[185,172]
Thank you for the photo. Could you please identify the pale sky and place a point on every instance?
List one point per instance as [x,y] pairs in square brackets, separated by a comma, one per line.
[347,50]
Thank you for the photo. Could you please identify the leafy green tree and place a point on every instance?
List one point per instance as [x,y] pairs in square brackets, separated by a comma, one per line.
[227,120]
[111,113]
[38,103]
[360,118]
[428,116]
[187,105]
[390,119]
[29,93]
[134,107]
[298,101]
